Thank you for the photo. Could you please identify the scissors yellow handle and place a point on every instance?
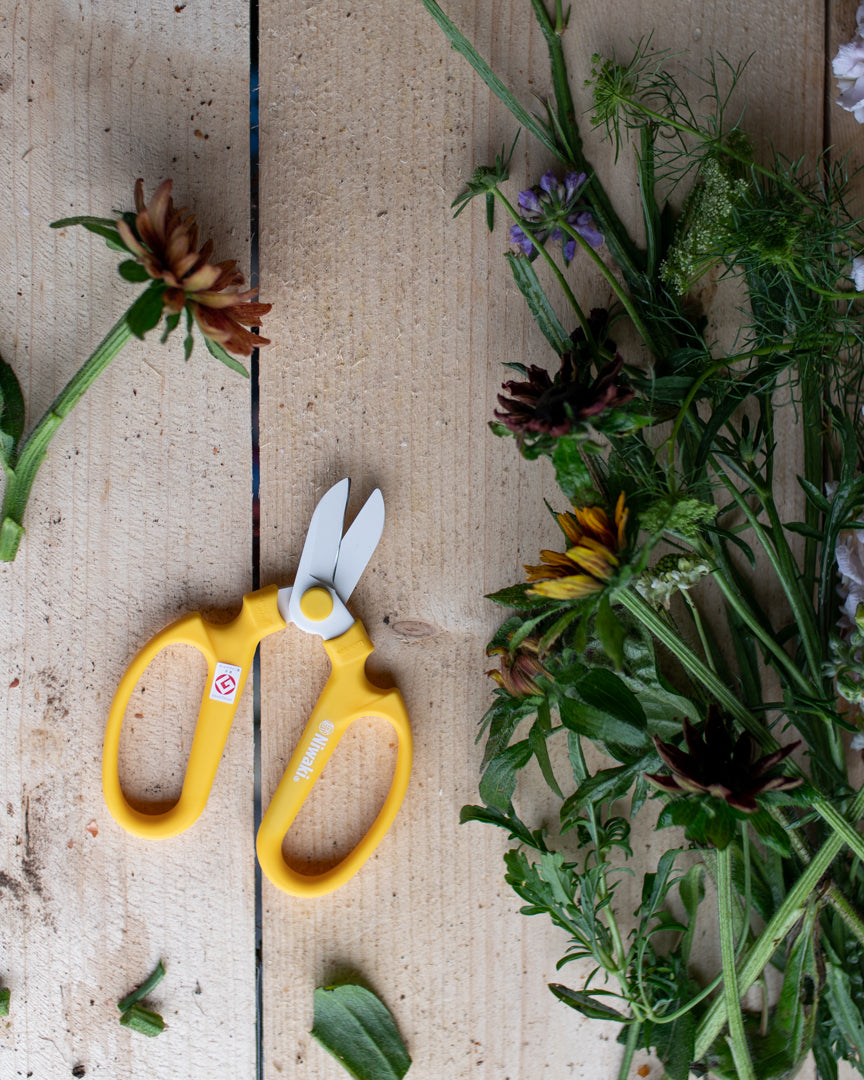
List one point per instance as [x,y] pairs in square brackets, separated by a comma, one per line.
[229,649]
[347,696]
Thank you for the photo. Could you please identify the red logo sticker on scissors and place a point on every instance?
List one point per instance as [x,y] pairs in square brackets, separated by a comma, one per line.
[225,683]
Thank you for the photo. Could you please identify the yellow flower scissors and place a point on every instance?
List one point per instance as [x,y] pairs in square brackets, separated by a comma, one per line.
[330,566]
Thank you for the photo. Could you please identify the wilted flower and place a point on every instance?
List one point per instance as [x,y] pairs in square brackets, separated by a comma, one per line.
[848,66]
[554,406]
[518,669]
[587,566]
[849,554]
[857,274]
[550,205]
[164,241]
[673,573]
[719,764]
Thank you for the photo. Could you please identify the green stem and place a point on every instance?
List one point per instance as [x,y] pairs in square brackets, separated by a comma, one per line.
[766,640]
[780,557]
[737,1037]
[730,703]
[782,921]
[19,479]
[633,1032]
[615,286]
[700,629]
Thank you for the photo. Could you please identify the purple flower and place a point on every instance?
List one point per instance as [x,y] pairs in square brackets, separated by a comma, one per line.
[550,205]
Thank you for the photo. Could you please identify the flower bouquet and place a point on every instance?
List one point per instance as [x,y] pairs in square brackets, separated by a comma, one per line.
[652,632]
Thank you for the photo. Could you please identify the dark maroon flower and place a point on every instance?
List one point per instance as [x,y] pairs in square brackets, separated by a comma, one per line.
[541,404]
[719,764]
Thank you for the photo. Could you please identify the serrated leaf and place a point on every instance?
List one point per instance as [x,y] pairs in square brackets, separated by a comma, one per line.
[222,354]
[146,312]
[499,780]
[355,1026]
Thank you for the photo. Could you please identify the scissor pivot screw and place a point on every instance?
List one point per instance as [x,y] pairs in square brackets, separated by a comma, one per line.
[316,603]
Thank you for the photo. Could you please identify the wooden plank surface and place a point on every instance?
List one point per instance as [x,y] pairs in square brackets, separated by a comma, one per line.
[390,326]
[140,513]
[395,322]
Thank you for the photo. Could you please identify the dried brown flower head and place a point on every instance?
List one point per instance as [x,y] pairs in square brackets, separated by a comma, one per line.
[164,240]
[518,669]
[718,764]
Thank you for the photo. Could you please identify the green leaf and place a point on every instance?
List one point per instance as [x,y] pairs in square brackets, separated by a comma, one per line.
[488,815]
[217,350]
[610,630]
[171,323]
[607,691]
[517,596]
[587,1004]
[5,995]
[529,285]
[130,270]
[815,495]
[461,44]
[603,787]
[601,726]
[691,889]
[499,780]
[353,1025]
[11,413]
[571,472]
[537,740]
[146,312]
[104,227]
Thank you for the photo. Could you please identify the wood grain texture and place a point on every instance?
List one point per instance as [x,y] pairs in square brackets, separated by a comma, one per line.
[390,328]
[395,321]
[140,513]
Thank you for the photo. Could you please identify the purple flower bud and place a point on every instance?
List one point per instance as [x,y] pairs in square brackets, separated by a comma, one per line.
[583,223]
[528,200]
[572,183]
[549,182]
[517,236]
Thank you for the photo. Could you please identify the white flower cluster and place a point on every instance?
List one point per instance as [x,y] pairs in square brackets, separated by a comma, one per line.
[848,67]
[673,573]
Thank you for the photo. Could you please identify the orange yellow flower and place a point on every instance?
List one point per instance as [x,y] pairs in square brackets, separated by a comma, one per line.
[165,241]
[587,566]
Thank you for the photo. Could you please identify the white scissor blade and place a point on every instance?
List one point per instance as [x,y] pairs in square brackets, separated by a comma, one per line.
[358,544]
[321,550]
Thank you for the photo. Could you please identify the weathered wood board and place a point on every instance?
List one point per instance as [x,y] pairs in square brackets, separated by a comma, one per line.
[390,325]
[141,512]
